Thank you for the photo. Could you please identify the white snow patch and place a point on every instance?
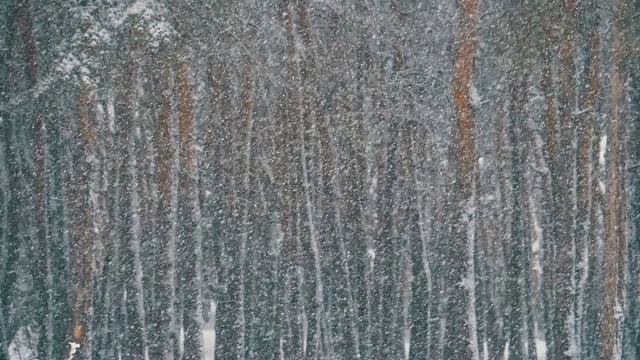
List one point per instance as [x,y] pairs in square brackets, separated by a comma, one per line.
[505,355]
[21,346]
[68,64]
[481,163]
[466,283]
[535,245]
[209,347]
[485,350]
[619,311]
[374,186]
[371,253]
[111,113]
[74,348]
[537,229]
[476,99]
[407,346]
[209,334]
[541,349]
[602,150]
[572,351]
[469,280]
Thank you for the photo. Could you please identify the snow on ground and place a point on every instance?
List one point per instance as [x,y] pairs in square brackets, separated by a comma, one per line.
[208,350]
[20,347]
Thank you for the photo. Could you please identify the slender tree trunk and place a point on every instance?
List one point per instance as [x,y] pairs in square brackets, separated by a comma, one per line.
[190,233]
[515,253]
[535,189]
[162,342]
[226,324]
[634,219]
[498,245]
[81,231]
[585,215]
[461,343]
[111,261]
[13,236]
[130,263]
[243,166]
[422,284]
[615,205]
[23,22]
[550,131]
[312,120]
[565,254]
[287,176]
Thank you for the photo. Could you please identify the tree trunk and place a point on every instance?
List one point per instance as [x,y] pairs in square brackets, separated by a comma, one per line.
[81,229]
[615,205]
[190,233]
[459,342]
[585,219]
[162,342]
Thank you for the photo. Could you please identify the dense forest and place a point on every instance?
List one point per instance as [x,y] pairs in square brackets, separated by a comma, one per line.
[319,179]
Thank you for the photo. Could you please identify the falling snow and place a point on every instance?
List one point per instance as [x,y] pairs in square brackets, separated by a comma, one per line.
[319,179]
